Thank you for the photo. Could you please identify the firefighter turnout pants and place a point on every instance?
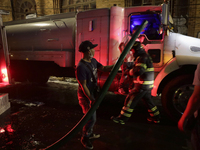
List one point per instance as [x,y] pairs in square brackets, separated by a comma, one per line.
[133,98]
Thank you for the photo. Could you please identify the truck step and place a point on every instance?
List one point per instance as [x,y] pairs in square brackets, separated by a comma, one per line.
[4,103]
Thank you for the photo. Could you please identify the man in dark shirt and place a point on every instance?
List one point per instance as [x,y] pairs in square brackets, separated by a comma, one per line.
[86,74]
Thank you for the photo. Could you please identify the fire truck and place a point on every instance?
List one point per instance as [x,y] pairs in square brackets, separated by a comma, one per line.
[48,46]
[4,54]
[4,67]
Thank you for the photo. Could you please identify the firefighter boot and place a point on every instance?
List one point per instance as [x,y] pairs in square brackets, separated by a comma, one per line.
[154,115]
[119,119]
[153,119]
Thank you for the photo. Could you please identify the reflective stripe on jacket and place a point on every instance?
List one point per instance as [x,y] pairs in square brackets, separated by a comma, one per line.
[143,71]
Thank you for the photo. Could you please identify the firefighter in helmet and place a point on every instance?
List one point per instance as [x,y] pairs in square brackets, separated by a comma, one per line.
[143,79]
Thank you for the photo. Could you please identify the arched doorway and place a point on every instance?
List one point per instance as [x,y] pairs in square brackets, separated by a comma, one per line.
[23,8]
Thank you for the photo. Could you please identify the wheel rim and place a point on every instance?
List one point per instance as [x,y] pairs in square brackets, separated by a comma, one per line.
[181,97]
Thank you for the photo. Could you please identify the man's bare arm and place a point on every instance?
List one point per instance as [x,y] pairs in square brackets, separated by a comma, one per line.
[86,90]
[106,68]
[192,106]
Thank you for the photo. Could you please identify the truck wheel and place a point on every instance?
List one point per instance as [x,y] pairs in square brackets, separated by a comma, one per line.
[176,94]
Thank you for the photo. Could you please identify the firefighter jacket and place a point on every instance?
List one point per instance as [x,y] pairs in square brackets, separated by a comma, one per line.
[143,71]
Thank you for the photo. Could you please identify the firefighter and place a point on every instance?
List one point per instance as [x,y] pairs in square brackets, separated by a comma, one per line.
[126,66]
[143,79]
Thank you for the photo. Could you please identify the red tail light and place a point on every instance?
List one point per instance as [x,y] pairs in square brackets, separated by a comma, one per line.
[9,128]
[2,130]
[4,75]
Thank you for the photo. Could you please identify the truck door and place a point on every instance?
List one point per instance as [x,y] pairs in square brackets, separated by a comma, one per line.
[150,37]
[93,25]
[4,59]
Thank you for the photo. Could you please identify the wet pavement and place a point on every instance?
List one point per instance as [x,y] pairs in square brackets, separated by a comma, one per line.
[41,115]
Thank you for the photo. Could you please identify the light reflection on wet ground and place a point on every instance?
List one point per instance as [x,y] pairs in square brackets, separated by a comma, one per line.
[40,115]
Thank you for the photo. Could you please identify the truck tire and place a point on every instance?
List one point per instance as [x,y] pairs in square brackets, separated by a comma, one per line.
[176,94]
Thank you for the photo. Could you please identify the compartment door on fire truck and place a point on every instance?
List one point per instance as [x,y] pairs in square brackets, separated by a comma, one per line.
[93,25]
[155,50]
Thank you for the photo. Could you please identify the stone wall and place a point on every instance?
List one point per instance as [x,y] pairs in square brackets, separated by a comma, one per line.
[197,27]
[192,18]
[44,7]
[186,16]
[78,5]
[5,5]
[196,19]
[109,3]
